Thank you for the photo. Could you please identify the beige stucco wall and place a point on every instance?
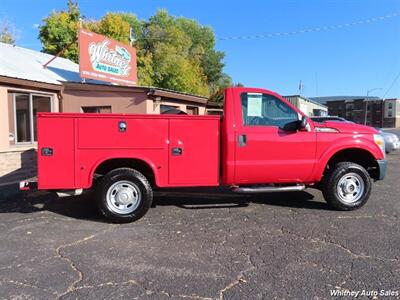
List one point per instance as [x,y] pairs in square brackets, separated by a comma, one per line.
[305,106]
[120,102]
[395,108]
[4,128]
[394,120]
[17,162]
[308,107]
[7,111]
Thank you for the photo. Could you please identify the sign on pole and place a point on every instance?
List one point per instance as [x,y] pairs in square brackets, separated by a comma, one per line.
[105,59]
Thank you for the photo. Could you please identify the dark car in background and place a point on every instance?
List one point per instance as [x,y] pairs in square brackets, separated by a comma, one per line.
[328,118]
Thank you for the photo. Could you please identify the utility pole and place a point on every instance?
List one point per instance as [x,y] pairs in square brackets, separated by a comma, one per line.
[366,104]
[132,39]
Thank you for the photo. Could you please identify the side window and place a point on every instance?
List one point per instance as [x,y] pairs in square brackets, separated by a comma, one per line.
[266,110]
[25,107]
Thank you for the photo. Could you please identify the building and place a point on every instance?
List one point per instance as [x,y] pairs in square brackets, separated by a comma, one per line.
[215,108]
[26,87]
[308,106]
[391,113]
[373,111]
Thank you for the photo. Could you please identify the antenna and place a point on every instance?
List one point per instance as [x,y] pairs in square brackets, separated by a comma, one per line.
[301,87]
[59,53]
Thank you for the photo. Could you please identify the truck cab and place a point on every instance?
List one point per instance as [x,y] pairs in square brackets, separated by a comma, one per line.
[268,140]
[262,143]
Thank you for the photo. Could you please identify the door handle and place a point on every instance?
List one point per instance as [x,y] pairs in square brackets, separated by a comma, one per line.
[177,151]
[242,140]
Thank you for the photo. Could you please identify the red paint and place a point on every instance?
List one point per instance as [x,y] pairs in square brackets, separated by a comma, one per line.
[81,142]
[207,147]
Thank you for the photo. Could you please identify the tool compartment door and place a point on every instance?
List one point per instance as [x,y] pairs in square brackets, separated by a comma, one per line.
[55,153]
[194,152]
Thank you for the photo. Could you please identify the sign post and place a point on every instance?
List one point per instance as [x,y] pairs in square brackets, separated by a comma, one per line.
[105,59]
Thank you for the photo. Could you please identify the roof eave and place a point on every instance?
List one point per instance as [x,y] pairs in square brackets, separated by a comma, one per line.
[30,83]
[177,95]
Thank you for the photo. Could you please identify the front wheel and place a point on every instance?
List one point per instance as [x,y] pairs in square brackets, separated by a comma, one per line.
[347,186]
[124,195]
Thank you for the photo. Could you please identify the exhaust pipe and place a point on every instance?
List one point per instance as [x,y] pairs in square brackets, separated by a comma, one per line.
[269,189]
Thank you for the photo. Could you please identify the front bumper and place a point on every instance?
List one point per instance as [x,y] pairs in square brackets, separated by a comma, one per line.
[382,165]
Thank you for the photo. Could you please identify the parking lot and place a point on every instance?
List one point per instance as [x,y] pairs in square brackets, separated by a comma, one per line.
[202,244]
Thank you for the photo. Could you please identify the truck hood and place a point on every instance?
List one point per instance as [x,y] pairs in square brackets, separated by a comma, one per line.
[347,127]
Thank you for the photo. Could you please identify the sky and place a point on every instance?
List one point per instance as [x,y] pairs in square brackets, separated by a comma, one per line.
[342,60]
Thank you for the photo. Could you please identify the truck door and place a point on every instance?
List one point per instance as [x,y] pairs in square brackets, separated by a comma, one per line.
[265,153]
[194,151]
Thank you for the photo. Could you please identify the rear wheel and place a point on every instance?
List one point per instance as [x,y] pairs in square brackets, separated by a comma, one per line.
[347,186]
[124,195]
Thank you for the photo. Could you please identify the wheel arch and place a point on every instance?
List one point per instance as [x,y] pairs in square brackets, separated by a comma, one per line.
[358,155]
[142,165]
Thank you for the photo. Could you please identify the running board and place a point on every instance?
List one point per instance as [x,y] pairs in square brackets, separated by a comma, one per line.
[69,193]
[269,189]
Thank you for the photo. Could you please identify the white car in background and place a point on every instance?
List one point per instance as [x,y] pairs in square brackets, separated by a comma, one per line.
[391,140]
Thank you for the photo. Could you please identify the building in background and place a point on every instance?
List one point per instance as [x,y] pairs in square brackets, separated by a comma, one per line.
[26,87]
[373,111]
[391,113]
[215,108]
[308,106]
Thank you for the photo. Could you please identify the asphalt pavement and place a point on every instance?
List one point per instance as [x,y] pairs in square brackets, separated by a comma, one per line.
[203,244]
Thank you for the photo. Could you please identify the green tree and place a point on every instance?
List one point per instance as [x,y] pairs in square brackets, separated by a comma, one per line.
[203,49]
[59,32]
[7,34]
[218,93]
[113,25]
[172,53]
[174,66]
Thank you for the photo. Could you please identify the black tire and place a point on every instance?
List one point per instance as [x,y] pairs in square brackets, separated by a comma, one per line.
[334,194]
[130,181]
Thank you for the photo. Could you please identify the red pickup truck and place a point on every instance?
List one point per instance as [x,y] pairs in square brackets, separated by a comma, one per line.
[261,144]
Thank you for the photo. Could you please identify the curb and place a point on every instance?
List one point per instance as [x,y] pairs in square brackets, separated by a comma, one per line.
[9,191]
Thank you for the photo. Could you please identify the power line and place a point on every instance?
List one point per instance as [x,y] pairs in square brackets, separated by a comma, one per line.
[392,85]
[289,33]
[309,30]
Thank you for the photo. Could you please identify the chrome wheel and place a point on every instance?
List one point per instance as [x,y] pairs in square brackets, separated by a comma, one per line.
[123,197]
[350,188]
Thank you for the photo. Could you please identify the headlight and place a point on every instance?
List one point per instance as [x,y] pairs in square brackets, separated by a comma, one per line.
[378,139]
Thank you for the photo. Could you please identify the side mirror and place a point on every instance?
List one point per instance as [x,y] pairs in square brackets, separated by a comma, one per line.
[296,125]
[303,122]
[292,126]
